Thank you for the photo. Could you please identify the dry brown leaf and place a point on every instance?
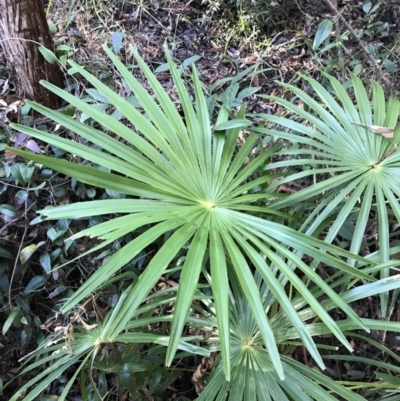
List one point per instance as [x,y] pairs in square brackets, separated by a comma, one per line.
[386,132]
[205,365]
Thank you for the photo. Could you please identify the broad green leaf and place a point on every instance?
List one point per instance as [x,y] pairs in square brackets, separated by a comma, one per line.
[324,30]
[14,314]
[116,38]
[35,283]
[48,55]
[27,252]
[8,210]
[5,254]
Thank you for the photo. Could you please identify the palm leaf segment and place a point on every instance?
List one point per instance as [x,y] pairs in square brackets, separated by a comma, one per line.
[339,144]
[193,183]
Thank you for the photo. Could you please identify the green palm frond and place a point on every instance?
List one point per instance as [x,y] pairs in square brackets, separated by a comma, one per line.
[253,376]
[195,184]
[357,169]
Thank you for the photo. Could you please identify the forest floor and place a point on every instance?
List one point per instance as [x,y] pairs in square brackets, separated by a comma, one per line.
[224,42]
[279,44]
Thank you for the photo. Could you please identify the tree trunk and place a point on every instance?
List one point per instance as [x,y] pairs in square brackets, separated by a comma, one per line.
[23,27]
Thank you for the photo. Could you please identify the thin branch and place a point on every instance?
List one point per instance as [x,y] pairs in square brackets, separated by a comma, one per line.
[19,251]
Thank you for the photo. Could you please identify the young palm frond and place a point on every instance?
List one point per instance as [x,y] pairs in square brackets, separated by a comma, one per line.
[355,146]
[253,376]
[190,181]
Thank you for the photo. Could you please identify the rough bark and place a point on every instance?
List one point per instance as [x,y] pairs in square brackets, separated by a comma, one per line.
[22,23]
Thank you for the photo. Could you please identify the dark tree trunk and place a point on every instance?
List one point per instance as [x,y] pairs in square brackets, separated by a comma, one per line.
[23,26]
